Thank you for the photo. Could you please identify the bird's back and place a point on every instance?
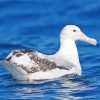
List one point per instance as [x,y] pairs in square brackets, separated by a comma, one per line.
[29,64]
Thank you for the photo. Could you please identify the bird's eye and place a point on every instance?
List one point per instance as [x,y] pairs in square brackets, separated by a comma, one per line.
[74,30]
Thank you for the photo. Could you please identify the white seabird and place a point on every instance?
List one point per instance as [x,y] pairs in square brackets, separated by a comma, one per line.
[33,65]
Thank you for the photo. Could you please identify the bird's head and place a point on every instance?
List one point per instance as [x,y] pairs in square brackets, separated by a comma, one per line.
[74,33]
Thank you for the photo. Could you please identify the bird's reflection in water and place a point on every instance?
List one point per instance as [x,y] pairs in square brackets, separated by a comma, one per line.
[65,88]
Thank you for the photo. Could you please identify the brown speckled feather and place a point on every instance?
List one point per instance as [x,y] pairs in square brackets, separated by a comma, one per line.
[43,63]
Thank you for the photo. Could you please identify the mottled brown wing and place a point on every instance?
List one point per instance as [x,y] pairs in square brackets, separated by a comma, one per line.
[44,64]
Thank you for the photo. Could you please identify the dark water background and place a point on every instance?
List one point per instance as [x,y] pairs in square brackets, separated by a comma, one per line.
[35,24]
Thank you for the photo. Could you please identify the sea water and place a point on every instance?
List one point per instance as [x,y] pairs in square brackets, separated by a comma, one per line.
[36,24]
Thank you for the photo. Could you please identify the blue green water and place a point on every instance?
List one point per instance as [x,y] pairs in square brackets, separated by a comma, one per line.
[35,24]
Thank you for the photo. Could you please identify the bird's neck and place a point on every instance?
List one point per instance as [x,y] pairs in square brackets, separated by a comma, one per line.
[68,50]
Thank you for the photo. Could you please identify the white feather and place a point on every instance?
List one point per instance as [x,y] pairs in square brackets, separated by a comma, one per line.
[67,56]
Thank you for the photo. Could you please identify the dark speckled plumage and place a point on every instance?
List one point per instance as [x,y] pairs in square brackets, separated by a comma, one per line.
[44,64]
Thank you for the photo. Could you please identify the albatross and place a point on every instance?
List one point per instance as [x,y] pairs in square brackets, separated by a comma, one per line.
[33,65]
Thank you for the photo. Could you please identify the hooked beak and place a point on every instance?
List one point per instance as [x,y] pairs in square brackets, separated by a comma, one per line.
[88,39]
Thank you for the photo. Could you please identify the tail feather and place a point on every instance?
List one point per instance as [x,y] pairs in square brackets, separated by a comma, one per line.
[14,69]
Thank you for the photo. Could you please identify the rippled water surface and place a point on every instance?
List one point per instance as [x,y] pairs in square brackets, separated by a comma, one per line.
[35,24]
